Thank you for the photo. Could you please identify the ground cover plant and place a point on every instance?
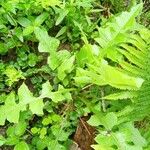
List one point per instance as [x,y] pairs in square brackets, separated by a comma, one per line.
[74,73]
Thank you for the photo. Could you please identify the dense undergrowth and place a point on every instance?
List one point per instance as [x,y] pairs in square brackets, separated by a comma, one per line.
[61,61]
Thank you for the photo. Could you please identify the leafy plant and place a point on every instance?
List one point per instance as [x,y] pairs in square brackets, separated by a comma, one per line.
[63,60]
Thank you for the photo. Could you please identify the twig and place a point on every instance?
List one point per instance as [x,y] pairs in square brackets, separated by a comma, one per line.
[85,126]
[103,101]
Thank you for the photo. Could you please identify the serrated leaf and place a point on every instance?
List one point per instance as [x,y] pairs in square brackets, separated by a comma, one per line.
[120,95]
[35,104]
[108,121]
[11,110]
[114,77]
[115,32]
[57,96]
[47,43]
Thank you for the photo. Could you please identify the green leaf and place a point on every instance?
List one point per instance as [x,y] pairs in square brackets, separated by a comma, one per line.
[62,15]
[13,75]
[11,109]
[20,128]
[46,89]
[12,140]
[46,121]
[48,3]
[43,132]
[35,104]
[32,59]
[28,30]
[24,22]
[120,95]
[3,48]
[101,147]
[61,31]
[108,121]
[94,121]
[47,43]
[66,67]
[40,19]
[57,96]
[21,146]
[115,32]
[106,74]
[86,54]
[35,130]
[55,60]
[19,34]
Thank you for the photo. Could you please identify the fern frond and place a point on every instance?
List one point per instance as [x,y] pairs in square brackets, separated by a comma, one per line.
[115,31]
[128,47]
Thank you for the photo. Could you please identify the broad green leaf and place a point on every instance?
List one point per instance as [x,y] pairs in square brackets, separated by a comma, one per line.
[11,110]
[108,121]
[46,89]
[57,96]
[28,30]
[132,134]
[12,140]
[94,121]
[114,77]
[63,13]
[35,104]
[41,18]
[20,128]
[60,57]
[46,43]
[66,67]
[86,54]
[21,146]
[84,77]
[24,22]
[19,34]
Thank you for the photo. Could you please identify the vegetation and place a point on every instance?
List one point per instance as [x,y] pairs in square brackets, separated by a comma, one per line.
[62,61]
